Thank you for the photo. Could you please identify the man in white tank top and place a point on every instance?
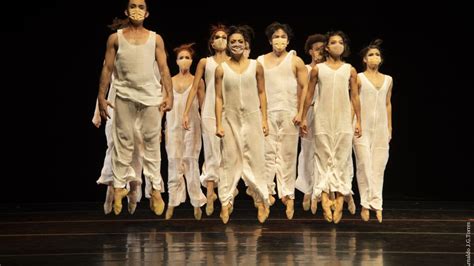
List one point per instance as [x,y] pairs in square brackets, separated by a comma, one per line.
[286,82]
[134,50]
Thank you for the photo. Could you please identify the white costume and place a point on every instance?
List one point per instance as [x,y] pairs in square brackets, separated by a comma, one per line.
[136,106]
[183,148]
[243,142]
[212,143]
[333,131]
[281,145]
[373,147]
[106,175]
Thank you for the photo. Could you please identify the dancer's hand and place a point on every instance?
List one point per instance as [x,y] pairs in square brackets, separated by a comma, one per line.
[265,128]
[304,128]
[358,130]
[220,131]
[103,104]
[186,121]
[297,119]
[167,104]
[96,120]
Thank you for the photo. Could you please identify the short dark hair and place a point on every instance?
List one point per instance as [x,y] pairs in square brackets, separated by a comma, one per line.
[276,26]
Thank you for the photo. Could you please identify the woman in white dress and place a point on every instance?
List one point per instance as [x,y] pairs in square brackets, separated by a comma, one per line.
[372,149]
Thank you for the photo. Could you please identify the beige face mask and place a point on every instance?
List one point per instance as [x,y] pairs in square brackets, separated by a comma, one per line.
[279,44]
[137,14]
[374,60]
[184,64]
[337,48]
[219,44]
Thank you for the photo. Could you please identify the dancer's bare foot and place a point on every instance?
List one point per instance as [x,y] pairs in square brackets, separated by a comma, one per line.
[225,213]
[378,214]
[119,194]
[314,206]
[169,212]
[365,214]
[337,216]
[326,204]
[109,199]
[197,213]
[306,202]
[290,208]
[157,203]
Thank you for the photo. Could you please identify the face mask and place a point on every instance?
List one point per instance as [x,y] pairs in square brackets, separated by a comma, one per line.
[374,60]
[219,44]
[137,14]
[184,64]
[237,48]
[279,44]
[337,48]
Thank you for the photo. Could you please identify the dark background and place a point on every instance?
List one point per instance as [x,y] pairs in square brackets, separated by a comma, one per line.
[53,61]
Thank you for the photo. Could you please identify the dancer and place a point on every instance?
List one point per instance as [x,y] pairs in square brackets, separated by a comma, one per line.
[183,146]
[338,98]
[241,122]
[134,50]
[212,144]
[286,82]
[372,149]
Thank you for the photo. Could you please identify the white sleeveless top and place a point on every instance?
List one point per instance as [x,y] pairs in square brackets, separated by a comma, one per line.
[333,108]
[136,78]
[208,109]
[374,111]
[175,116]
[280,85]
[240,90]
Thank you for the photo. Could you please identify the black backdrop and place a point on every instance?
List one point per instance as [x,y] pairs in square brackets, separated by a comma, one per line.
[54,71]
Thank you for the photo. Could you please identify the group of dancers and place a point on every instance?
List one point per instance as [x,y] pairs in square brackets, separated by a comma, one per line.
[249,115]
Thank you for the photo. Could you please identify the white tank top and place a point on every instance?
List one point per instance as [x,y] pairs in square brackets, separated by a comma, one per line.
[136,78]
[280,85]
[373,110]
[208,109]
[333,108]
[175,116]
[240,90]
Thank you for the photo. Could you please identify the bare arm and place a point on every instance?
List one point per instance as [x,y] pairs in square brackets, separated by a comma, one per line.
[160,56]
[105,76]
[194,90]
[201,93]
[262,96]
[389,109]
[354,90]
[313,80]
[219,100]
[302,81]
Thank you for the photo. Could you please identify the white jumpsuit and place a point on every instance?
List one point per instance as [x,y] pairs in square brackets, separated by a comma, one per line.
[372,149]
[138,99]
[183,148]
[281,144]
[212,143]
[333,131]
[243,143]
